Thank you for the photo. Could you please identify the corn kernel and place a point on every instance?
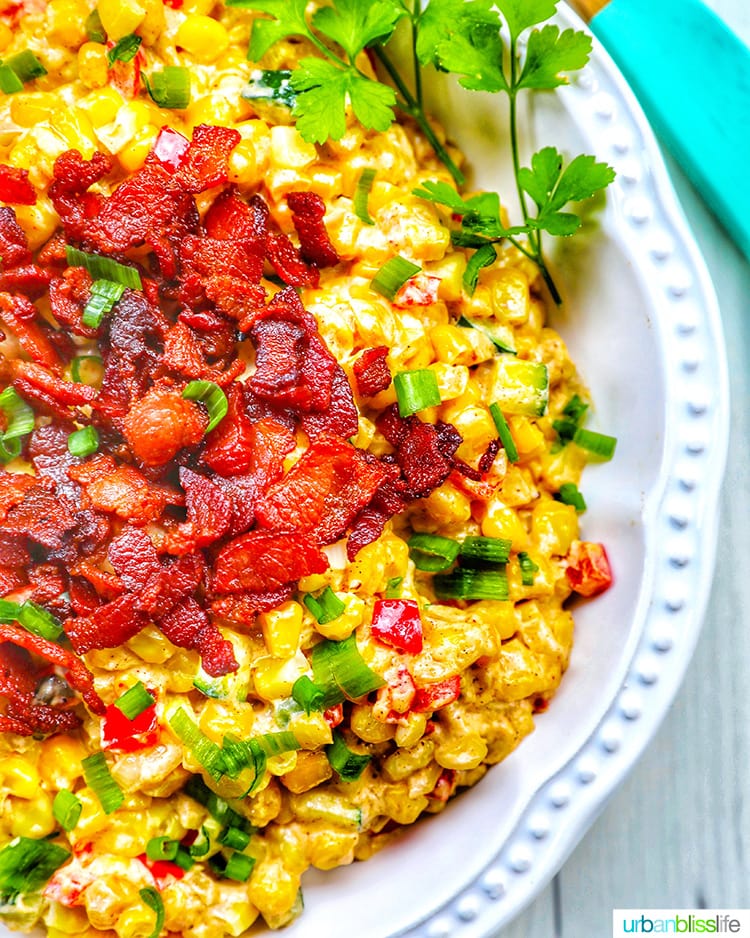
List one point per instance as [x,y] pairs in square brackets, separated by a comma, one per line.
[133,156]
[281,765]
[101,106]
[92,65]
[32,818]
[198,6]
[243,164]
[154,22]
[342,626]
[65,919]
[501,521]
[364,724]
[203,37]
[135,923]
[120,17]
[312,768]
[526,435]
[554,527]
[289,150]
[6,35]
[467,753]
[274,677]
[451,344]
[212,109]
[450,269]
[281,629]
[19,777]
[65,24]
[68,128]
[405,761]
[27,108]
[447,505]
[510,295]
[39,221]
[150,645]
[477,429]
[411,730]
[452,380]
[311,730]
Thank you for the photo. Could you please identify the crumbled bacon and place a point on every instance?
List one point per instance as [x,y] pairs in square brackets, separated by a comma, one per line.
[121,490]
[308,212]
[161,423]
[14,246]
[15,186]
[188,626]
[265,560]
[18,313]
[371,371]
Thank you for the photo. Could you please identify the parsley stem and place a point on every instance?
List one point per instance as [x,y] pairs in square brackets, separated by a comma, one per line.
[409,105]
[416,14]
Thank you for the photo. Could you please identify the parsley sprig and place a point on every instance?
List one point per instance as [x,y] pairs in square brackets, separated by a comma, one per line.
[467,38]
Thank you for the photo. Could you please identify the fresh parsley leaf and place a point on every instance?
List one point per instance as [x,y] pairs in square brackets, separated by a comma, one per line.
[441,20]
[540,180]
[551,52]
[320,106]
[523,14]
[477,54]
[560,224]
[354,24]
[443,194]
[288,20]
[372,102]
[582,178]
[269,85]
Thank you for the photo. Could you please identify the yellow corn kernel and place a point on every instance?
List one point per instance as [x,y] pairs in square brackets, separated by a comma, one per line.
[198,6]
[477,429]
[281,629]
[154,22]
[452,380]
[120,17]
[101,106]
[519,673]
[27,108]
[92,65]
[312,768]
[212,109]
[69,128]
[64,919]
[136,922]
[526,435]
[311,730]
[467,753]
[450,269]
[65,24]
[274,677]
[6,35]
[448,506]
[203,37]
[243,164]
[233,913]
[131,117]
[364,724]
[281,765]
[25,154]
[150,645]
[19,777]
[501,521]
[405,761]
[289,150]
[342,626]
[554,527]
[330,848]
[31,818]
[309,584]
[411,730]
[39,221]
[451,344]
[509,293]
[133,156]
[92,819]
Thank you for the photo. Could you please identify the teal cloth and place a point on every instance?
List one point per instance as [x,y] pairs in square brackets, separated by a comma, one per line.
[692,77]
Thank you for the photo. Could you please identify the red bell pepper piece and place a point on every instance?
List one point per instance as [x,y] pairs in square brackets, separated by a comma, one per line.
[396,622]
[588,568]
[435,696]
[170,148]
[160,869]
[123,735]
[334,715]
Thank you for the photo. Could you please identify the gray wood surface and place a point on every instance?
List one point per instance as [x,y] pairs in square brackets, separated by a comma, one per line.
[677,832]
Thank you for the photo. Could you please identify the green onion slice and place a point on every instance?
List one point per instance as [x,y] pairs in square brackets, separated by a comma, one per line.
[154,901]
[36,619]
[162,848]
[100,781]
[10,83]
[212,396]
[200,847]
[485,549]
[234,837]
[392,276]
[276,744]
[9,611]
[9,450]
[598,444]
[341,671]
[503,431]
[307,694]
[124,50]
[245,766]
[431,552]
[134,701]
[216,806]
[104,295]
[94,28]
[393,587]
[26,865]
[416,390]
[87,369]
[83,442]
[272,85]
[569,494]
[26,65]
[18,414]
[362,194]
[183,859]
[528,568]
[467,583]
[326,606]
[104,268]
[347,764]
[500,335]
[66,809]
[482,257]
[565,429]
[201,747]
[239,867]
[575,409]
[169,87]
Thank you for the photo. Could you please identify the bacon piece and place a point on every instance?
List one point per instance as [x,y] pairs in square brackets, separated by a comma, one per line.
[43,515]
[230,217]
[424,452]
[15,186]
[308,212]
[107,585]
[72,175]
[65,393]
[13,550]
[341,416]
[323,492]
[109,626]
[183,354]
[371,371]
[162,423]
[18,681]
[121,490]
[11,578]
[172,583]
[209,510]
[265,560]
[30,279]
[83,598]
[68,296]
[18,313]
[13,489]
[188,626]
[243,608]
[133,555]
[48,451]
[280,251]
[205,163]
[14,246]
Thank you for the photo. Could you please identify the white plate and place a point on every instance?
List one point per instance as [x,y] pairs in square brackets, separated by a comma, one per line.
[643,327]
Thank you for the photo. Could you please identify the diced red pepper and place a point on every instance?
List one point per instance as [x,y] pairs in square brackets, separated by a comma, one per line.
[334,715]
[396,622]
[435,696]
[419,290]
[170,148]
[161,869]
[588,570]
[120,734]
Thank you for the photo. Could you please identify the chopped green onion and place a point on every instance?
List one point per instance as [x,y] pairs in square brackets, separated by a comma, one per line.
[235,838]
[270,85]
[94,28]
[245,764]
[326,606]
[216,806]
[83,442]
[104,295]
[362,194]
[162,848]
[87,369]
[19,416]
[393,587]
[154,901]
[169,87]
[9,450]
[124,50]
[276,744]
[482,257]
[570,495]
[528,568]
[10,83]
[598,444]
[9,611]
[347,764]
[239,867]
[200,847]
[66,809]
[501,336]
[503,431]
[26,865]
[134,701]
[26,65]
[467,583]
[416,390]
[183,859]
[565,429]
[431,552]
[36,619]
[100,781]
[203,749]
[212,396]
[340,670]
[575,409]
[307,694]
[392,276]
[104,268]
[486,549]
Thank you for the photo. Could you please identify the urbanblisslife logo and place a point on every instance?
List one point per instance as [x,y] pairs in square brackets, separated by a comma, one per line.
[680,922]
